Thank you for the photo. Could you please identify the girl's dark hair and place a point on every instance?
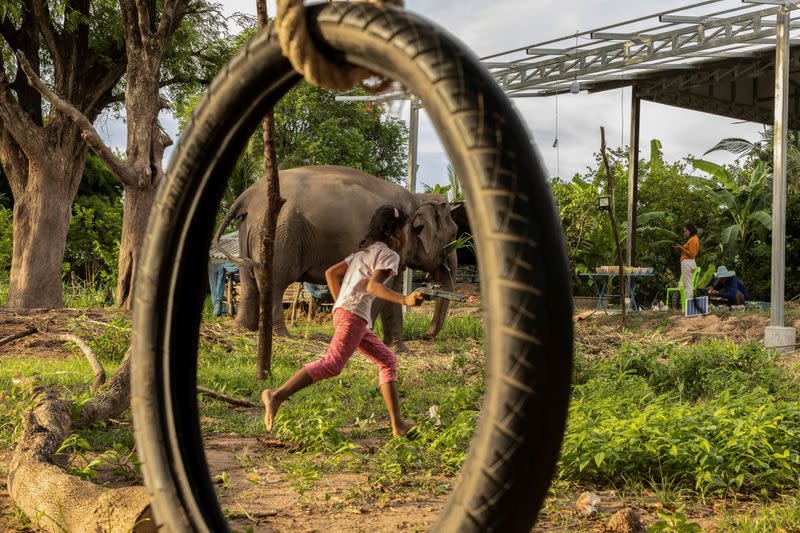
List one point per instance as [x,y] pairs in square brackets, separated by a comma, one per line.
[691,227]
[384,224]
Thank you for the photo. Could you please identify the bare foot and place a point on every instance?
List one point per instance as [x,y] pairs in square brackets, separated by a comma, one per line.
[270,408]
[402,428]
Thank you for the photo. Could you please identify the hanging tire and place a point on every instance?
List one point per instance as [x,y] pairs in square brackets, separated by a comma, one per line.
[524,273]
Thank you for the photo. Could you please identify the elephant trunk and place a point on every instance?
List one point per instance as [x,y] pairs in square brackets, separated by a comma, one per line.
[234,212]
[446,276]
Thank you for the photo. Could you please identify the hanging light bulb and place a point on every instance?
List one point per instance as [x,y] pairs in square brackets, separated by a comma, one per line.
[555,143]
[575,87]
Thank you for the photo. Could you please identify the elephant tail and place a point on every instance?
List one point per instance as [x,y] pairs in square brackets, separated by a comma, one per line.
[236,211]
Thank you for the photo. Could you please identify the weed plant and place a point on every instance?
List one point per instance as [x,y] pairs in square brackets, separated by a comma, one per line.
[715,418]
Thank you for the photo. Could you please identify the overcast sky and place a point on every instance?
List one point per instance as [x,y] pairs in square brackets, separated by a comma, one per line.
[494,26]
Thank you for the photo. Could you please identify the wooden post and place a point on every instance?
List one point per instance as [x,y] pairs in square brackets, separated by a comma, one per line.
[274,202]
[612,213]
[633,174]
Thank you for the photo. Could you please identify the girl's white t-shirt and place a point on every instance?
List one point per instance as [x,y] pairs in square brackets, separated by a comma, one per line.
[353,295]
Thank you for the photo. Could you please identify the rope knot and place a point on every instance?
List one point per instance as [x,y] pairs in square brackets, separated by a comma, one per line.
[297,45]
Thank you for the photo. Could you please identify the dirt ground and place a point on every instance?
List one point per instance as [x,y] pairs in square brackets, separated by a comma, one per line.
[260,496]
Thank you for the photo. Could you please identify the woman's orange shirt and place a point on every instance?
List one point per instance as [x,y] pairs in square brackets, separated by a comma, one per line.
[693,246]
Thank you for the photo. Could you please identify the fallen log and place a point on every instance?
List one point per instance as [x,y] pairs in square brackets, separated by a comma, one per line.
[55,500]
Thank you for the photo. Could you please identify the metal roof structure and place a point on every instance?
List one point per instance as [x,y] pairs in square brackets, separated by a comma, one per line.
[736,58]
[715,56]
[229,242]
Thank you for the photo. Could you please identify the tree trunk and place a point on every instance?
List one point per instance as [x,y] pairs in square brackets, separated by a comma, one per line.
[42,213]
[138,202]
[274,202]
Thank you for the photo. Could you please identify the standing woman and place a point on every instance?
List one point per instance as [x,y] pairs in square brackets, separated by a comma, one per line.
[688,256]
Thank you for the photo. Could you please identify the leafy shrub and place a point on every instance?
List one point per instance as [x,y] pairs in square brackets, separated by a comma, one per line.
[93,240]
[708,417]
[701,370]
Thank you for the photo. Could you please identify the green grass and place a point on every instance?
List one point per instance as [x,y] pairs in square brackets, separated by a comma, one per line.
[713,419]
[780,516]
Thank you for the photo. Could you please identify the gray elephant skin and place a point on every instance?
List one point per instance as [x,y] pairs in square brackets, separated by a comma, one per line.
[325,217]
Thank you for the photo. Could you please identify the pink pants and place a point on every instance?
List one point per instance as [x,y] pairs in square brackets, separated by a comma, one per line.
[351,334]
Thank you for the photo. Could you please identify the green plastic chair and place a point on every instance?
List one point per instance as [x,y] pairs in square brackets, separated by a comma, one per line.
[680,289]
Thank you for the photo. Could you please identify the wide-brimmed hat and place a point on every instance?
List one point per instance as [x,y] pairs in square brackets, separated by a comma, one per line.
[723,272]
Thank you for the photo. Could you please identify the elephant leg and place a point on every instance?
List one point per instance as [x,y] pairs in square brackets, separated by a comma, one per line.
[247,312]
[392,320]
[445,276]
[278,316]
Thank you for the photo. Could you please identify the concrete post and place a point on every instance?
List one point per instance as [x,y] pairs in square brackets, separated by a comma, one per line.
[776,334]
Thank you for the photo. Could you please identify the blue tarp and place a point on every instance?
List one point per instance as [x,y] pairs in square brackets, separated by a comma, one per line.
[216,279]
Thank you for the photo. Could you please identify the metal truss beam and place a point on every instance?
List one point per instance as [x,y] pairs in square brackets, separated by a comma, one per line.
[677,41]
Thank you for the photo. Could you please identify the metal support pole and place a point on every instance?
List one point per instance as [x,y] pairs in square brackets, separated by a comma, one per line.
[413,134]
[633,174]
[779,170]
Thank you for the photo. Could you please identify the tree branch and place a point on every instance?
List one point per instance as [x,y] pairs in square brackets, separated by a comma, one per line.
[9,33]
[227,399]
[128,12]
[41,12]
[143,22]
[175,80]
[18,123]
[167,23]
[19,335]
[107,78]
[97,366]
[121,169]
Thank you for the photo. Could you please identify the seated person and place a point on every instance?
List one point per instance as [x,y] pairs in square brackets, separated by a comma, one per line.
[727,289]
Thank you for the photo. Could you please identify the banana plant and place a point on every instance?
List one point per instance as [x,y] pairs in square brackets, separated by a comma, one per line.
[763,149]
[455,184]
[743,202]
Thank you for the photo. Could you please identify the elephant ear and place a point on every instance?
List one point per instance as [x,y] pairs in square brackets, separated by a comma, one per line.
[424,225]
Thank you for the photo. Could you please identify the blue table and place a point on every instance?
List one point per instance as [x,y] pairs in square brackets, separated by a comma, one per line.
[601,283]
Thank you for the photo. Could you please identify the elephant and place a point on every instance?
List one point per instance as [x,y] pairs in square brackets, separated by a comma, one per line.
[323,220]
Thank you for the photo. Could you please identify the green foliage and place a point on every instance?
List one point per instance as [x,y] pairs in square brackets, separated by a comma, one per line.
[713,418]
[761,151]
[451,191]
[93,240]
[674,522]
[742,199]
[437,188]
[317,430]
[13,402]
[783,516]
[6,243]
[311,128]
[455,184]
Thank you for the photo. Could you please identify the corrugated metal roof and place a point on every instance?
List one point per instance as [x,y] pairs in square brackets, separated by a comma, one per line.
[229,242]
